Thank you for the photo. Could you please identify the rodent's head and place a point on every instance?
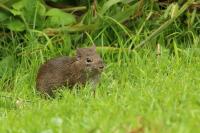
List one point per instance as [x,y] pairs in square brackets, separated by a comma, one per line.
[90,59]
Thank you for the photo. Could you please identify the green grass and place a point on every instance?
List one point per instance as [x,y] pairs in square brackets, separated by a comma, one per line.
[163,92]
[138,90]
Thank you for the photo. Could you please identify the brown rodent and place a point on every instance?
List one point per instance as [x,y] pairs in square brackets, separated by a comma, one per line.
[87,65]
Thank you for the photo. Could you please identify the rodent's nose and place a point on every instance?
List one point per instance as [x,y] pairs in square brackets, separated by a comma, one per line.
[101,66]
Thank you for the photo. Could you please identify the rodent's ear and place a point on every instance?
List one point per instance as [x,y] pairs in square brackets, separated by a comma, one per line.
[78,57]
[94,46]
[78,53]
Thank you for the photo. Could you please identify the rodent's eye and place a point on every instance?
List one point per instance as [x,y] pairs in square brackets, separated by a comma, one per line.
[88,60]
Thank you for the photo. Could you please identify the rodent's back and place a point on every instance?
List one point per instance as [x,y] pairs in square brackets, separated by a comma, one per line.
[52,73]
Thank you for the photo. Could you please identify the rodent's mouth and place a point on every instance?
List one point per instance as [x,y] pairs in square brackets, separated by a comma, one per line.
[100,69]
[95,70]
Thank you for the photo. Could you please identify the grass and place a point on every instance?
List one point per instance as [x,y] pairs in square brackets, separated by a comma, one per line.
[139,91]
[159,95]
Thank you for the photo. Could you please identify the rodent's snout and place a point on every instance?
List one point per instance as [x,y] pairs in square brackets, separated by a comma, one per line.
[101,67]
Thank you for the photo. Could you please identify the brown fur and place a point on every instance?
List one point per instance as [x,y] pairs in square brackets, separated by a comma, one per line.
[87,65]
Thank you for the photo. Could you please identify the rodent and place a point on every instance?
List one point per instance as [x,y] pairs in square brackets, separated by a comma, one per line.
[87,65]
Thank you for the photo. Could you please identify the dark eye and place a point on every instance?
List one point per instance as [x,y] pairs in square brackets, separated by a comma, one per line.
[88,60]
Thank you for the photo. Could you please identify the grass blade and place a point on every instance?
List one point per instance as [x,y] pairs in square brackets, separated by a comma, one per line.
[165,25]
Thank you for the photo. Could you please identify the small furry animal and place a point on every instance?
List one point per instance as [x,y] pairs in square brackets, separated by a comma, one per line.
[87,65]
